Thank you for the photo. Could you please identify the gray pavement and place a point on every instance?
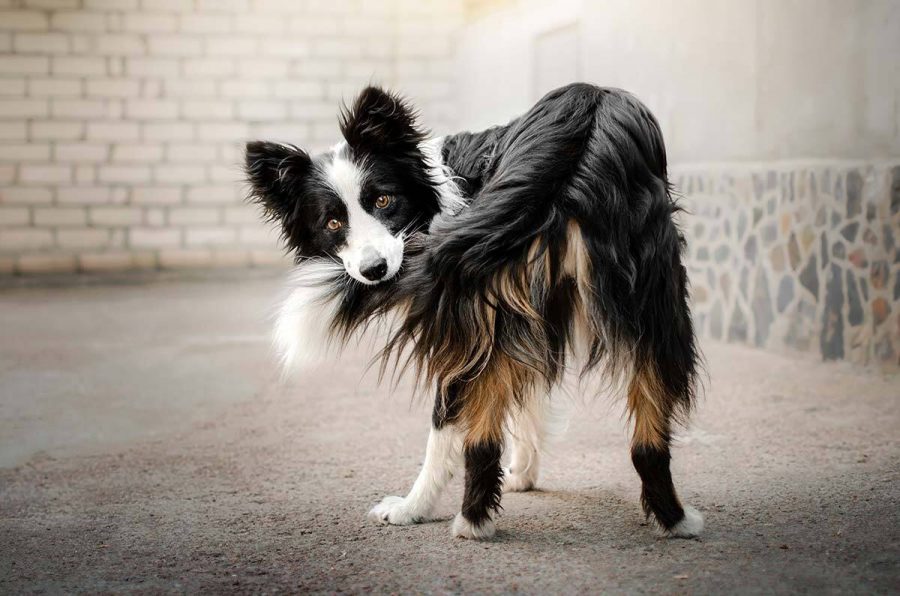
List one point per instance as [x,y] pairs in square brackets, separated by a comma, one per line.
[147,444]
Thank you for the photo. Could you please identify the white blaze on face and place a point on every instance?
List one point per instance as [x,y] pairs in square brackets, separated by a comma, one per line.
[369,242]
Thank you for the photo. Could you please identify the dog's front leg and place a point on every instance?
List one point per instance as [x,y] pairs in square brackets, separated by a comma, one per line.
[442,457]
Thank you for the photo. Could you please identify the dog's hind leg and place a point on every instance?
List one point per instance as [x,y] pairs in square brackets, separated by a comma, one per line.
[525,437]
[442,458]
[652,414]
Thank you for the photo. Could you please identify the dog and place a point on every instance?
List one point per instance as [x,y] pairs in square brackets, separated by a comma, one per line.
[499,258]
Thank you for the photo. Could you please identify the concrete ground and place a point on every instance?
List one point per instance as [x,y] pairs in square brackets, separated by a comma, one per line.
[147,445]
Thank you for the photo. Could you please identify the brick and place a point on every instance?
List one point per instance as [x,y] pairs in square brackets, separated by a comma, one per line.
[208,67]
[224,257]
[262,110]
[298,89]
[7,265]
[155,217]
[151,109]
[258,68]
[210,236]
[180,173]
[246,89]
[309,25]
[83,195]
[81,152]
[115,216]
[168,131]
[45,174]
[153,237]
[46,263]
[175,45]
[137,153]
[181,216]
[23,20]
[185,259]
[24,65]
[214,194]
[13,131]
[284,46]
[191,153]
[78,65]
[152,67]
[79,108]
[222,131]
[156,195]
[78,21]
[231,46]
[270,258]
[19,239]
[113,88]
[54,87]
[265,24]
[208,109]
[258,235]
[242,215]
[318,68]
[285,132]
[190,88]
[166,5]
[150,22]
[82,238]
[111,4]
[14,216]
[41,43]
[239,6]
[25,195]
[85,174]
[114,44]
[56,130]
[124,174]
[12,87]
[343,48]
[105,261]
[113,131]
[24,108]
[206,23]
[59,216]
[21,152]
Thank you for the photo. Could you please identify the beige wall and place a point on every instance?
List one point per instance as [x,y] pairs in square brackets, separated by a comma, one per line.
[122,121]
[750,80]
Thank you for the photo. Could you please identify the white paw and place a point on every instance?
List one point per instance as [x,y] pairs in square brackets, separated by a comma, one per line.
[395,511]
[463,528]
[514,482]
[690,525]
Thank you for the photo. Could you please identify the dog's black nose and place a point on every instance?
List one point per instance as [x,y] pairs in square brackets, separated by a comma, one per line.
[374,270]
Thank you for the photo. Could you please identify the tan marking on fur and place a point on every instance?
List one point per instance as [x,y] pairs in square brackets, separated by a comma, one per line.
[647,406]
[488,399]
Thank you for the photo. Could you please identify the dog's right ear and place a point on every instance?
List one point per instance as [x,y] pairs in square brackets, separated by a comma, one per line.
[276,173]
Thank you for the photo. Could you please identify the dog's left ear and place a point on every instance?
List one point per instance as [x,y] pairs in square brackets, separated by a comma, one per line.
[381,121]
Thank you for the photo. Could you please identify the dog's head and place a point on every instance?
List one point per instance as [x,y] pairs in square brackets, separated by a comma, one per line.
[360,200]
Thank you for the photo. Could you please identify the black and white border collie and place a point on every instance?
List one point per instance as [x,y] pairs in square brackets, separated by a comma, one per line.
[497,257]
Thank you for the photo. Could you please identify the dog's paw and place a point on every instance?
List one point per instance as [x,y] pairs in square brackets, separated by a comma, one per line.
[394,511]
[463,528]
[517,482]
[690,525]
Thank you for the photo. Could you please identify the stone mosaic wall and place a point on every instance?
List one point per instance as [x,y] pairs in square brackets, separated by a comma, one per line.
[802,256]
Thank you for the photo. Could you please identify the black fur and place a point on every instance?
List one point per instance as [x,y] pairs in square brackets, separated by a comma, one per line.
[583,155]
[484,478]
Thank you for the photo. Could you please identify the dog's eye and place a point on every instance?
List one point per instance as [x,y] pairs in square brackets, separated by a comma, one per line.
[383,201]
[334,225]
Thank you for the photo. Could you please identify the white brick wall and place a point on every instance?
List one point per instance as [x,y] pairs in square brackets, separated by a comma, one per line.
[122,121]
